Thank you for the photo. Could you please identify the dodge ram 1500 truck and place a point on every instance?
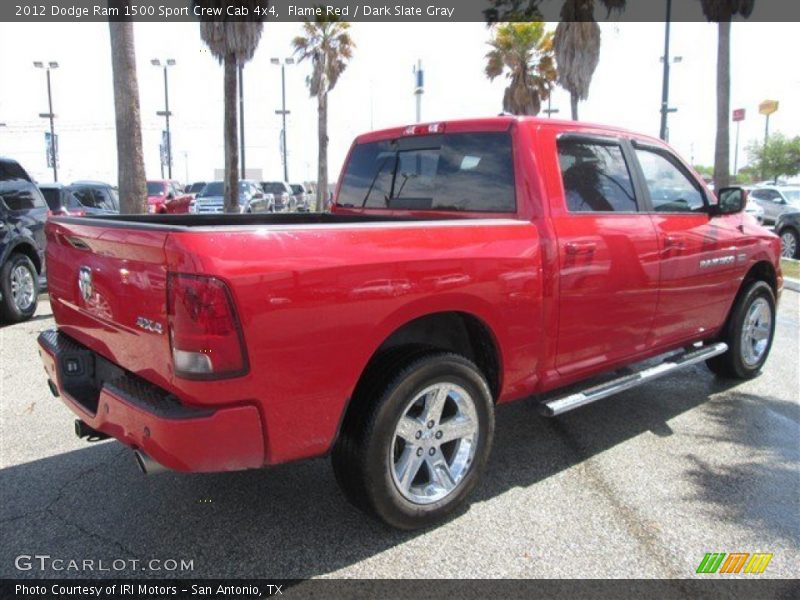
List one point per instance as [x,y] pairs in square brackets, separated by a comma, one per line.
[465,264]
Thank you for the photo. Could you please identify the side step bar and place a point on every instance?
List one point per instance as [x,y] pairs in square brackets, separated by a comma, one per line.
[559,406]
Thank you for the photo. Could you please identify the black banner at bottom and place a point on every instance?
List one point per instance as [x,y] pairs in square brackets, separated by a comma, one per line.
[572,589]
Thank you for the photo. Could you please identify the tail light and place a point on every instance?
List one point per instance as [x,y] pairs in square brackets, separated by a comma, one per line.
[205,334]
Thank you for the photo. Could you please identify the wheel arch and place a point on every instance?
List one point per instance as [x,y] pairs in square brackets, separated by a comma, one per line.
[26,248]
[456,331]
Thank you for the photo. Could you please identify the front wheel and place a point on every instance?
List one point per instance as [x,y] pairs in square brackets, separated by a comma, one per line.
[20,287]
[748,333]
[790,243]
[413,455]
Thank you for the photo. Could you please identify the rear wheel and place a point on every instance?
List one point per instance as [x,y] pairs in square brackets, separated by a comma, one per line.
[413,454]
[20,286]
[790,242]
[748,333]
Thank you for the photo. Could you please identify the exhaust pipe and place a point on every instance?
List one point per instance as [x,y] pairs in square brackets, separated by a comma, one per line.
[82,430]
[147,465]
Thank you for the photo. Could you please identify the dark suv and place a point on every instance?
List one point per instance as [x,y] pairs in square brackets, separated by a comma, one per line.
[23,212]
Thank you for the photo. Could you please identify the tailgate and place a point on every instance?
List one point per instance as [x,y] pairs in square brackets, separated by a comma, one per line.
[107,287]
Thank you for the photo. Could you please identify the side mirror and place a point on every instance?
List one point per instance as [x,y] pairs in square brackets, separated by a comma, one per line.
[731,201]
[170,196]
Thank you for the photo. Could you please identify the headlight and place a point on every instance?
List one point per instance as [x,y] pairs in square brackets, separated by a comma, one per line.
[151,208]
[192,207]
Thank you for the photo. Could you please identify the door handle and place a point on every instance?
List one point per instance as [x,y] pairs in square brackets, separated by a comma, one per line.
[674,242]
[574,248]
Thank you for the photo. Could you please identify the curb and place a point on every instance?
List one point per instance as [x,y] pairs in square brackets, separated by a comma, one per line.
[791,284]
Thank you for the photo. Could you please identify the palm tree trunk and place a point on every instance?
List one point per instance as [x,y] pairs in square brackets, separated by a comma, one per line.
[130,160]
[573,100]
[230,133]
[322,173]
[722,147]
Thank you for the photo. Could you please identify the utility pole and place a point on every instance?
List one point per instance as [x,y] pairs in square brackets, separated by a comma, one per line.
[170,62]
[549,111]
[665,109]
[241,118]
[50,115]
[283,112]
[419,88]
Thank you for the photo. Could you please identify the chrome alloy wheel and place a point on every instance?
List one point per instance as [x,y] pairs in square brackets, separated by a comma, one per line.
[788,244]
[22,289]
[756,331]
[434,443]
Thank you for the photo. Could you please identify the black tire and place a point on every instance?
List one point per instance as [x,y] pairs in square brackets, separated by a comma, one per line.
[8,307]
[733,363]
[363,457]
[785,234]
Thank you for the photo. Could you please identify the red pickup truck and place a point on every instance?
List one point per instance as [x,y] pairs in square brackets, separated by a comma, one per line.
[465,264]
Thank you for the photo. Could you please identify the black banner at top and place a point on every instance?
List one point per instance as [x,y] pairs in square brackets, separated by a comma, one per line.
[168,11]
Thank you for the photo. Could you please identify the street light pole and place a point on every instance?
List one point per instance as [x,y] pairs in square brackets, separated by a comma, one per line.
[665,81]
[50,115]
[549,111]
[283,112]
[170,62]
[241,118]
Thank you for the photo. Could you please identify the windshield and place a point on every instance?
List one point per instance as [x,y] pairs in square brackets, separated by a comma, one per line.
[297,189]
[454,172]
[272,187]
[792,196]
[215,188]
[155,188]
[195,188]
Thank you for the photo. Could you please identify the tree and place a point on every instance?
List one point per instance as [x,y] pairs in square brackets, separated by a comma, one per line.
[722,11]
[577,47]
[130,159]
[780,157]
[525,52]
[327,43]
[233,43]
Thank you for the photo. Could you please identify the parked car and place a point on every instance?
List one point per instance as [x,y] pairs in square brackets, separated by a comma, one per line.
[195,188]
[754,209]
[465,265]
[251,198]
[776,200]
[165,196]
[96,195]
[282,192]
[61,200]
[788,229]
[302,197]
[23,212]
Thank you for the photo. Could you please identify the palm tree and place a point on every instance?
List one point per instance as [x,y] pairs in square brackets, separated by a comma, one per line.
[577,46]
[232,43]
[328,44]
[130,159]
[722,11]
[525,50]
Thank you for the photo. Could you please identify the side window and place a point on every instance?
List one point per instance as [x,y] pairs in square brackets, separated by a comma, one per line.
[759,195]
[596,177]
[85,197]
[23,197]
[671,190]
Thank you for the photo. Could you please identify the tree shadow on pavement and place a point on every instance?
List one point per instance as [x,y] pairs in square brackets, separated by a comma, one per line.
[292,521]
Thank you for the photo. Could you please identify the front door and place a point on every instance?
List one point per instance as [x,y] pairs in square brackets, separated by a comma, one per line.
[699,254]
[608,256]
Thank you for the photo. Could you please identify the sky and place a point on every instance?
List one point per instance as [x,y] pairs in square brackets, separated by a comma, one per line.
[376,91]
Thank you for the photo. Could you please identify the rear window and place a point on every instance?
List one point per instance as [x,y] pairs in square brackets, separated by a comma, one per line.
[156,188]
[458,172]
[23,196]
[11,171]
[271,187]
[53,197]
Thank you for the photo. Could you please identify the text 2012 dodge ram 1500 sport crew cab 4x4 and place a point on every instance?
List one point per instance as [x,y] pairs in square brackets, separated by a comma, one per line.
[466,264]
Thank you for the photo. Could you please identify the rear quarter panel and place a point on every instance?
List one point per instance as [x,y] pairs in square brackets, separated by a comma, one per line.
[315,304]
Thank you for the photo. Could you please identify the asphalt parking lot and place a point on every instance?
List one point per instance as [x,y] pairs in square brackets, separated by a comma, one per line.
[639,485]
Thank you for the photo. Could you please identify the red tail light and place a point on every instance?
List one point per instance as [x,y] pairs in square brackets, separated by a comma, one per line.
[205,334]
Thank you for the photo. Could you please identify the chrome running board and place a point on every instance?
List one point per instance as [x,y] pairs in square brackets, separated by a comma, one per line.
[673,363]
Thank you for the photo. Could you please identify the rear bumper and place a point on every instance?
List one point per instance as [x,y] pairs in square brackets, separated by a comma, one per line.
[146,417]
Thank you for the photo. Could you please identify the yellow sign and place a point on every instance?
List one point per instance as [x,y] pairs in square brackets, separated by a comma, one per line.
[767,107]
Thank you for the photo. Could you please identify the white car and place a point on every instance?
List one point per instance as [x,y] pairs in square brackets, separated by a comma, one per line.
[754,209]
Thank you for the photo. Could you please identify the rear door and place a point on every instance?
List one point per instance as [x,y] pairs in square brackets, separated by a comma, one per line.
[698,254]
[608,255]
